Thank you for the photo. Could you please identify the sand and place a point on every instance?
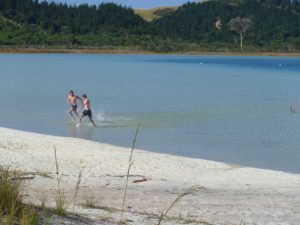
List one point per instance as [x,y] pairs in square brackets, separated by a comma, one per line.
[112,50]
[224,194]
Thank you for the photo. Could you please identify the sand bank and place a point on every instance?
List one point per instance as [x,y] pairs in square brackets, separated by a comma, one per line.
[89,50]
[226,195]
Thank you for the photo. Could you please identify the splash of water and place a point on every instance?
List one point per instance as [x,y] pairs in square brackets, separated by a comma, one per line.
[101,117]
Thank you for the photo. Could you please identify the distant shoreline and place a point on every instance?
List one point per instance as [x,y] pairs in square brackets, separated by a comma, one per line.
[32,50]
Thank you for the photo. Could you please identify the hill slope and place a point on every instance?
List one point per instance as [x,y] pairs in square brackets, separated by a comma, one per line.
[273,25]
[154,13]
[192,26]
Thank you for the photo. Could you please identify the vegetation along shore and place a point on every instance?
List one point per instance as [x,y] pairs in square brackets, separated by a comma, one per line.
[216,25]
[88,50]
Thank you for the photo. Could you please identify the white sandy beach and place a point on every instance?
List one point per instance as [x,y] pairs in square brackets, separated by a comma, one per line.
[228,194]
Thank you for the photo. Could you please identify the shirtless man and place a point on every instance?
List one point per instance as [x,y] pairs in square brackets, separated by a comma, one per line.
[72,99]
[86,106]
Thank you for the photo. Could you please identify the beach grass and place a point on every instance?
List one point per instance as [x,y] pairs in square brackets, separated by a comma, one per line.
[172,205]
[29,216]
[10,197]
[60,199]
[12,210]
[77,188]
[60,202]
[89,201]
[130,163]
[43,202]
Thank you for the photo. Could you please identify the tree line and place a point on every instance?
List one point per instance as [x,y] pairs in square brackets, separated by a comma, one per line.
[275,25]
[63,18]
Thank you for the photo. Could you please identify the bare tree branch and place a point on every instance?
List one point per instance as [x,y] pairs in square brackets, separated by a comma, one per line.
[241,26]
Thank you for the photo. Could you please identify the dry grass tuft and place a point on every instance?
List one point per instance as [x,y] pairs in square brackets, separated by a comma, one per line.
[172,205]
[89,201]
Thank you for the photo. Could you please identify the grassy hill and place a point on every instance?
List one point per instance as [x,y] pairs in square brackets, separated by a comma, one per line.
[276,26]
[155,13]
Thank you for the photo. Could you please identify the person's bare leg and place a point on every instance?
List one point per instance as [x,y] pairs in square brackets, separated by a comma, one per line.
[71,114]
[76,114]
[78,125]
[80,119]
[92,121]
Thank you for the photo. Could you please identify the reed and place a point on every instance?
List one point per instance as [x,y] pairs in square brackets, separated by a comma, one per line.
[130,163]
[28,216]
[60,204]
[10,197]
[57,169]
[60,197]
[77,188]
[12,210]
[12,213]
[1,214]
[178,198]
[10,187]
[43,206]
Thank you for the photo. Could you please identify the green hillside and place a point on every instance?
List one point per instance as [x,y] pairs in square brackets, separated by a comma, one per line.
[274,25]
[205,26]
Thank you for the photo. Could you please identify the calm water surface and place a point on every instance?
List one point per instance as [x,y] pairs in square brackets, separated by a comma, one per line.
[230,109]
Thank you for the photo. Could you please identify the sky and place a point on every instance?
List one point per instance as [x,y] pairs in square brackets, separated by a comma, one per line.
[131,3]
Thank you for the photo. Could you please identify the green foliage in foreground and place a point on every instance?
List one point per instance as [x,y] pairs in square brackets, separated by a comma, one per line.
[12,210]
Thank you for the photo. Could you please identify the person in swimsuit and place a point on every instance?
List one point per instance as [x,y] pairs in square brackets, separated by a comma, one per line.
[72,99]
[86,106]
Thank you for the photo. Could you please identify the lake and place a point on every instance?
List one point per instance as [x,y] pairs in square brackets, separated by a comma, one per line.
[229,109]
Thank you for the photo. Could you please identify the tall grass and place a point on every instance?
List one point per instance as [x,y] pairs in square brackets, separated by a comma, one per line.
[172,205]
[60,197]
[10,197]
[58,177]
[43,203]
[1,213]
[12,210]
[28,216]
[77,188]
[60,202]
[130,163]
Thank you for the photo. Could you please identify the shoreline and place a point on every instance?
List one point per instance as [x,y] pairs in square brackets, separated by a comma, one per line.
[231,164]
[146,151]
[227,194]
[29,50]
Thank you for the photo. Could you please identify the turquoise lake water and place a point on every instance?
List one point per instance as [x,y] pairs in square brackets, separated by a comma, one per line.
[229,109]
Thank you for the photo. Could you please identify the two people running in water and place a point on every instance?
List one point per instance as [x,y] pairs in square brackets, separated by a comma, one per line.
[85,105]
